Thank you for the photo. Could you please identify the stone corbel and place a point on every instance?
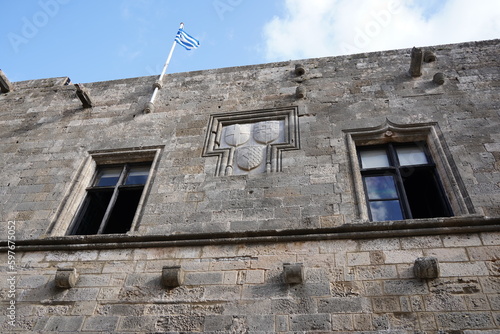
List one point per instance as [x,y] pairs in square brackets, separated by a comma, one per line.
[299,69]
[293,273]
[426,267]
[416,62]
[83,95]
[66,278]
[171,276]
[5,85]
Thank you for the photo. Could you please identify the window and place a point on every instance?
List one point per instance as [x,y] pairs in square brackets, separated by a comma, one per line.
[112,199]
[421,177]
[401,182]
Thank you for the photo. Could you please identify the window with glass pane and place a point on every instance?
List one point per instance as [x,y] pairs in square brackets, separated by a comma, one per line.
[401,182]
[111,200]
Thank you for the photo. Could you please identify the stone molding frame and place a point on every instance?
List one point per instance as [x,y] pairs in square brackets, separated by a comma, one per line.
[86,172]
[431,134]
[285,117]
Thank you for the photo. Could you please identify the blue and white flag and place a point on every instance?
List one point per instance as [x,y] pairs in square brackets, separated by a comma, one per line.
[187,41]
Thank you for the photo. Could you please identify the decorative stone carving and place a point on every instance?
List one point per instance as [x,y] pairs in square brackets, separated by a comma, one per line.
[251,142]
[66,278]
[250,157]
[293,273]
[266,132]
[237,134]
[426,267]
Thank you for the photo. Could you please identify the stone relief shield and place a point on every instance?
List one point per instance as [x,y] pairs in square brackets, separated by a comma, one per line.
[266,132]
[237,134]
[249,157]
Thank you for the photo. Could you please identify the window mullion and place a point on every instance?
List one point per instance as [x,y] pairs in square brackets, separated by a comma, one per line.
[400,184]
[113,199]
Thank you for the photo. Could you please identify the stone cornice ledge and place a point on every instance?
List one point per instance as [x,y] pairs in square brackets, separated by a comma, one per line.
[365,230]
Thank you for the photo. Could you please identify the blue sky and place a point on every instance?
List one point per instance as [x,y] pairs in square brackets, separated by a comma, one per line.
[91,40]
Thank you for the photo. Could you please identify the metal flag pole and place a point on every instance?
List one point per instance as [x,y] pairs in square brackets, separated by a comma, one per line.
[158,83]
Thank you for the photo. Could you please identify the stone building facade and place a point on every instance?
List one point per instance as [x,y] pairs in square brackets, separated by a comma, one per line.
[354,194]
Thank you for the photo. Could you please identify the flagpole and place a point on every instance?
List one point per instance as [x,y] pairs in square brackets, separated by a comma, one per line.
[158,84]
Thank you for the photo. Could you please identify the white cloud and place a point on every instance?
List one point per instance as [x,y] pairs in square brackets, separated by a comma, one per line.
[317,28]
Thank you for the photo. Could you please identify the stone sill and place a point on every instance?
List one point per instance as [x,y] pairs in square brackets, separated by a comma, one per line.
[361,230]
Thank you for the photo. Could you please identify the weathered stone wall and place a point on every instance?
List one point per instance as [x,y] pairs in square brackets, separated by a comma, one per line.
[231,234]
[364,285]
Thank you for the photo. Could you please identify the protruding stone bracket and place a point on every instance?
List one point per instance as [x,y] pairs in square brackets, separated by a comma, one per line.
[66,278]
[5,85]
[300,92]
[83,95]
[438,78]
[157,84]
[299,69]
[171,276]
[416,62]
[426,267]
[429,56]
[293,273]
[149,108]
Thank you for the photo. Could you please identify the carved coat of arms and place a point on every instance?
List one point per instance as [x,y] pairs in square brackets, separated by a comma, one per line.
[249,157]
[237,134]
[266,132]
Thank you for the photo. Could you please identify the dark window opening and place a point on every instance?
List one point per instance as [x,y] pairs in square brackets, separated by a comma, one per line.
[123,211]
[112,200]
[425,197]
[401,182]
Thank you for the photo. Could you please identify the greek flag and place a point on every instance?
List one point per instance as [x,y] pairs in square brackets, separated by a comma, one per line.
[187,41]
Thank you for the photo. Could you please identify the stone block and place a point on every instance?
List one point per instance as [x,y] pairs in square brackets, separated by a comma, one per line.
[477,303]
[461,240]
[448,254]
[310,322]
[358,259]
[484,253]
[253,276]
[492,238]
[405,287]
[452,269]
[181,323]
[101,324]
[342,305]
[208,278]
[464,320]
[386,304]
[137,324]
[63,324]
[263,291]
[376,272]
[94,280]
[222,292]
[444,302]
[402,256]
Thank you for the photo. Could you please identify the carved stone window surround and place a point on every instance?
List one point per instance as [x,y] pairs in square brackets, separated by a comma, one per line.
[431,134]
